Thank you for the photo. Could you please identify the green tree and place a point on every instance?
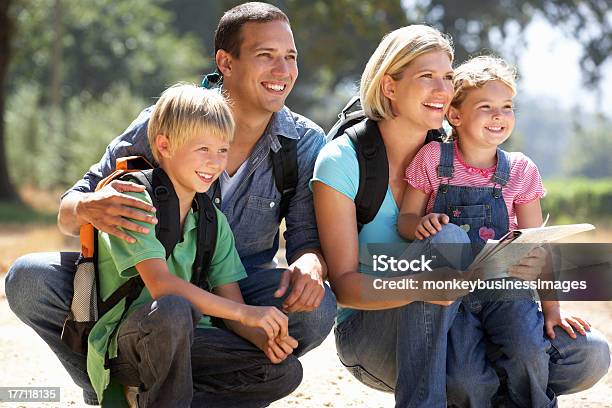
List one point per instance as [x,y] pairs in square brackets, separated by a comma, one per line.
[103,43]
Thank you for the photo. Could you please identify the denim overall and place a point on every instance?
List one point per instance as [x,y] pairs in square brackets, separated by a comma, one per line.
[509,319]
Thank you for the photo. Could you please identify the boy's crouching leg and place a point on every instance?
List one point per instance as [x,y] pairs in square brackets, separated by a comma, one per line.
[155,352]
[282,379]
[229,371]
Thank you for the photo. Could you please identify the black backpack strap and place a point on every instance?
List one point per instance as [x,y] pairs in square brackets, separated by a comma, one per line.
[436,135]
[164,198]
[285,166]
[207,239]
[373,170]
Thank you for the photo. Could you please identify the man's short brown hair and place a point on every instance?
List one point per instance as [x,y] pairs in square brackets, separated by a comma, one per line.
[227,36]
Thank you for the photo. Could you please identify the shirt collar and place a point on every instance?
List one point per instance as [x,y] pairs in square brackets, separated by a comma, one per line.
[281,124]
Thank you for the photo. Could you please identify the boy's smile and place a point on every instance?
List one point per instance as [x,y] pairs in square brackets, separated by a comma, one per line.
[195,165]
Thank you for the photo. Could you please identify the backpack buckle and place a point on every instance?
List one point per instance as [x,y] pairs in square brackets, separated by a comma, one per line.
[369,152]
[161,193]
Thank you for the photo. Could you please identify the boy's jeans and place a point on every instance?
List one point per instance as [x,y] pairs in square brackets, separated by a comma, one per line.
[39,291]
[512,322]
[177,365]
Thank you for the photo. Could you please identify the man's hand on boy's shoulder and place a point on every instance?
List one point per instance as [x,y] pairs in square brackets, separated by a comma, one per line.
[305,277]
[109,208]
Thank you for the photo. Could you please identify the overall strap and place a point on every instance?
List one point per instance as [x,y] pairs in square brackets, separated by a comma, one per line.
[446,168]
[207,239]
[285,167]
[373,170]
[502,172]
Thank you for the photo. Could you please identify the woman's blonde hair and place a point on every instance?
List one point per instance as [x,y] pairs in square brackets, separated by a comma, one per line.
[185,110]
[477,72]
[396,50]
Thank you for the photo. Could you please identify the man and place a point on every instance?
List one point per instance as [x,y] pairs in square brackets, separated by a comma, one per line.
[257,59]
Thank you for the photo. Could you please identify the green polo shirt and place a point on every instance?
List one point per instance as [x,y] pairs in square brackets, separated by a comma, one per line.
[116,264]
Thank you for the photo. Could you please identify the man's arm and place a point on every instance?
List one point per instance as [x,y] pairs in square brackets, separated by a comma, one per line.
[307,270]
[107,208]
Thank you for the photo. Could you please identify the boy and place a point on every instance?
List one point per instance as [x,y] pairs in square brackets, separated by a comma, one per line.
[189,133]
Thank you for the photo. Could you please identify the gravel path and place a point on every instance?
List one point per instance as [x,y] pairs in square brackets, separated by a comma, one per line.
[27,361]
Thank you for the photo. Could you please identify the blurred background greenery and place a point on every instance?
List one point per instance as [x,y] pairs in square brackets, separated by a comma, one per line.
[74,74]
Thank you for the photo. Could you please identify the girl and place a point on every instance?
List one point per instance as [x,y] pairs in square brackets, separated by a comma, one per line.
[486,191]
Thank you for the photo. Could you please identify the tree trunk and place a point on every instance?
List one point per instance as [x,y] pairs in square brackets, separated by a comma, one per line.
[7,191]
[56,57]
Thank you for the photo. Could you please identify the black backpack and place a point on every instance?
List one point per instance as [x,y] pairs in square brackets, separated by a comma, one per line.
[371,156]
[87,305]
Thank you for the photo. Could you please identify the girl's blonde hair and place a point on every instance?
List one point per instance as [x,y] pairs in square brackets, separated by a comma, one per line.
[396,50]
[477,72]
[185,110]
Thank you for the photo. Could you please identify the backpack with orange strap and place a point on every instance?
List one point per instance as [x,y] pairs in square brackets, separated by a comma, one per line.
[87,305]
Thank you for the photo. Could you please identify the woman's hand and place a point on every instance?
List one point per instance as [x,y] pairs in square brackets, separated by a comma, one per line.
[531,266]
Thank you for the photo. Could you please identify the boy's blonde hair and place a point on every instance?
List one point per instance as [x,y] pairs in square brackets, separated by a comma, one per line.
[184,110]
[396,50]
[477,72]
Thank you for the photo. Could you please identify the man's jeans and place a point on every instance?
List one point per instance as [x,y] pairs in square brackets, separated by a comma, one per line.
[39,291]
[174,363]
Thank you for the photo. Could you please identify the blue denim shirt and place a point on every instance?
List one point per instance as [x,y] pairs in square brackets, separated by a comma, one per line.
[253,210]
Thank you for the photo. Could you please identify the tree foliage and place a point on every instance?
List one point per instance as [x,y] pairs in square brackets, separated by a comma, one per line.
[105,43]
[118,55]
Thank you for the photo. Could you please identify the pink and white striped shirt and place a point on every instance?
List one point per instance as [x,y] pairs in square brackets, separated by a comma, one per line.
[524,186]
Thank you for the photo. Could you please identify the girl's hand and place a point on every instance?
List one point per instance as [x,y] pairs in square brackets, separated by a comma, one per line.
[270,319]
[554,316]
[430,225]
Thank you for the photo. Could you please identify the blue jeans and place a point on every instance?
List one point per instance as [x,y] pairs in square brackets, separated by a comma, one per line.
[513,324]
[178,365]
[39,291]
[403,350]
[574,365]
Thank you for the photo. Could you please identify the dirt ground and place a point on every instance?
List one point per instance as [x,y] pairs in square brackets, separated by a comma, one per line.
[27,361]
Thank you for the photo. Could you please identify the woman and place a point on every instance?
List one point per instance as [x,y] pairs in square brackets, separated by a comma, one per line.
[406,88]
[393,343]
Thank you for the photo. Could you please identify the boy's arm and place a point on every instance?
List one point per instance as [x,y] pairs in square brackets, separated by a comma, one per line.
[276,349]
[159,281]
